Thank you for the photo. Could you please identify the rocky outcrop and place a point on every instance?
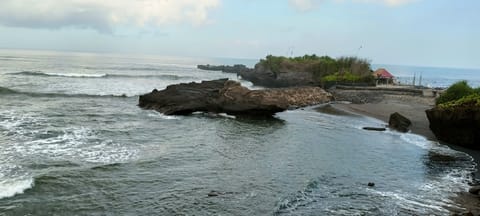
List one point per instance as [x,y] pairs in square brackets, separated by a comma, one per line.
[264,76]
[226,96]
[399,122]
[458,126]
[238,68]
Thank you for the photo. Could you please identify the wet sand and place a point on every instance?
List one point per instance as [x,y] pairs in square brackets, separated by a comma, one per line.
[412,107]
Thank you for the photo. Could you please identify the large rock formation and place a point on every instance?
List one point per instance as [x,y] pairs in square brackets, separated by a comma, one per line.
[226,96]
[264,76]
[399,122]
[458,125]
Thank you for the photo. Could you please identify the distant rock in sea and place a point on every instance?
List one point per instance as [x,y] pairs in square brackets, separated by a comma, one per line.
[238,68]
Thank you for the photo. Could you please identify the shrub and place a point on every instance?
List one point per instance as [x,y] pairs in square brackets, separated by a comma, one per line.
[348,77]
[323,68]
[477,90]
[469,100]
[456,91]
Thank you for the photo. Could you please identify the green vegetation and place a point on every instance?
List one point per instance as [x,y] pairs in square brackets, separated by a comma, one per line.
[469,100]
[459,94]
[457,91]
[324,68]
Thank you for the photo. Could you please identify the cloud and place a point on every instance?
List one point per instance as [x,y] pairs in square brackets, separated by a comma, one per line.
[308,5]
[103,15]
[387,2]
[304,5]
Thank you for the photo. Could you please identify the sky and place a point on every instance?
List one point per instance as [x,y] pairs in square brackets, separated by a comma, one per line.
[441,33]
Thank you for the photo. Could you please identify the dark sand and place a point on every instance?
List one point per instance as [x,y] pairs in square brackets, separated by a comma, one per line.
[413,107]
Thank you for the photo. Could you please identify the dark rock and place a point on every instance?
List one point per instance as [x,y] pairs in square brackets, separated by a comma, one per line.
[371,184]
[213,194]
[474,190]
[399,122]
[238,68]
[263,76]
[459,126]
[226,96]
[374,128]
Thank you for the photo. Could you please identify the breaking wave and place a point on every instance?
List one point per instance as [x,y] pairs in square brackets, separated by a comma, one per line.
[7,91]
[9,188]
[100,75]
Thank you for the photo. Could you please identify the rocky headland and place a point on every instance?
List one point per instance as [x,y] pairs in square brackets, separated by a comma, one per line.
[263,75]
[457,124]
[307,70]
[227,96]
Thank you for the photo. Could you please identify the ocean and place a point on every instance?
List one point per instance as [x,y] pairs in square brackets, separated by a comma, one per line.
[432,77]
[74,142]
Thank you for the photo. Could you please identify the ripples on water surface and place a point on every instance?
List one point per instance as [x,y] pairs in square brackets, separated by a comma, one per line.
[68,147]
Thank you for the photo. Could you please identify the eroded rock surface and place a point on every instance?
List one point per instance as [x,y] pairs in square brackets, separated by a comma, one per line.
[458,126]
[227,96]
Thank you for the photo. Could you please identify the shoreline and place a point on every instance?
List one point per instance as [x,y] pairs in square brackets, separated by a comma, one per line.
[413,107]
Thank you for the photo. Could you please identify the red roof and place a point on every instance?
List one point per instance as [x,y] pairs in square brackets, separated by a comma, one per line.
[383,73]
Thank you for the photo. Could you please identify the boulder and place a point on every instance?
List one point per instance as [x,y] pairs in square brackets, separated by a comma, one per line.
[458,126]
[399,122]
[227,96]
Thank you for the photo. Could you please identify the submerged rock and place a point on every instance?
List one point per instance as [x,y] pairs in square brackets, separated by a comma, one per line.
[227,96]
[399,122]
[374,128]
[474,190]
[213,194]
[458,126]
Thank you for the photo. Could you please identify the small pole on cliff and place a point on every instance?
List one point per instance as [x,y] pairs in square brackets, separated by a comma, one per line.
[414,75]
[420,80]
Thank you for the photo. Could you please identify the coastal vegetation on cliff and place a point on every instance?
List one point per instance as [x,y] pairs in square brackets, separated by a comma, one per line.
[323,68]
[458,94]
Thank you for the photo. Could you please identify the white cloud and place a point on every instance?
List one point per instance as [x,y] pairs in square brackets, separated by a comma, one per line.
[387,2]
[307,5]
[304,5]
[103,15]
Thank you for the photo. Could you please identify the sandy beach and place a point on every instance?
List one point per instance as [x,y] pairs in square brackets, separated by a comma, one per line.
[413,107]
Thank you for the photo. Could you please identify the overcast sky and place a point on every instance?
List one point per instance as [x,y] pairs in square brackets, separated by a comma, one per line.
[406,32]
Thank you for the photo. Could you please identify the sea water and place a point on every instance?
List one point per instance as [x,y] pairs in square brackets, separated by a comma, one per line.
[432,77]
[74,142]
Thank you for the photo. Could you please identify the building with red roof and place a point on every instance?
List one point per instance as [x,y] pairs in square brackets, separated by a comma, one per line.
[382,76]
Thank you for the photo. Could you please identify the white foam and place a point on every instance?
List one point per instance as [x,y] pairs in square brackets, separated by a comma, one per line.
[76,75]
[409,201]
[77,143]
[415,139]
[80,144]
[18,124]
[12,187]
[225,115]
[156,114]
